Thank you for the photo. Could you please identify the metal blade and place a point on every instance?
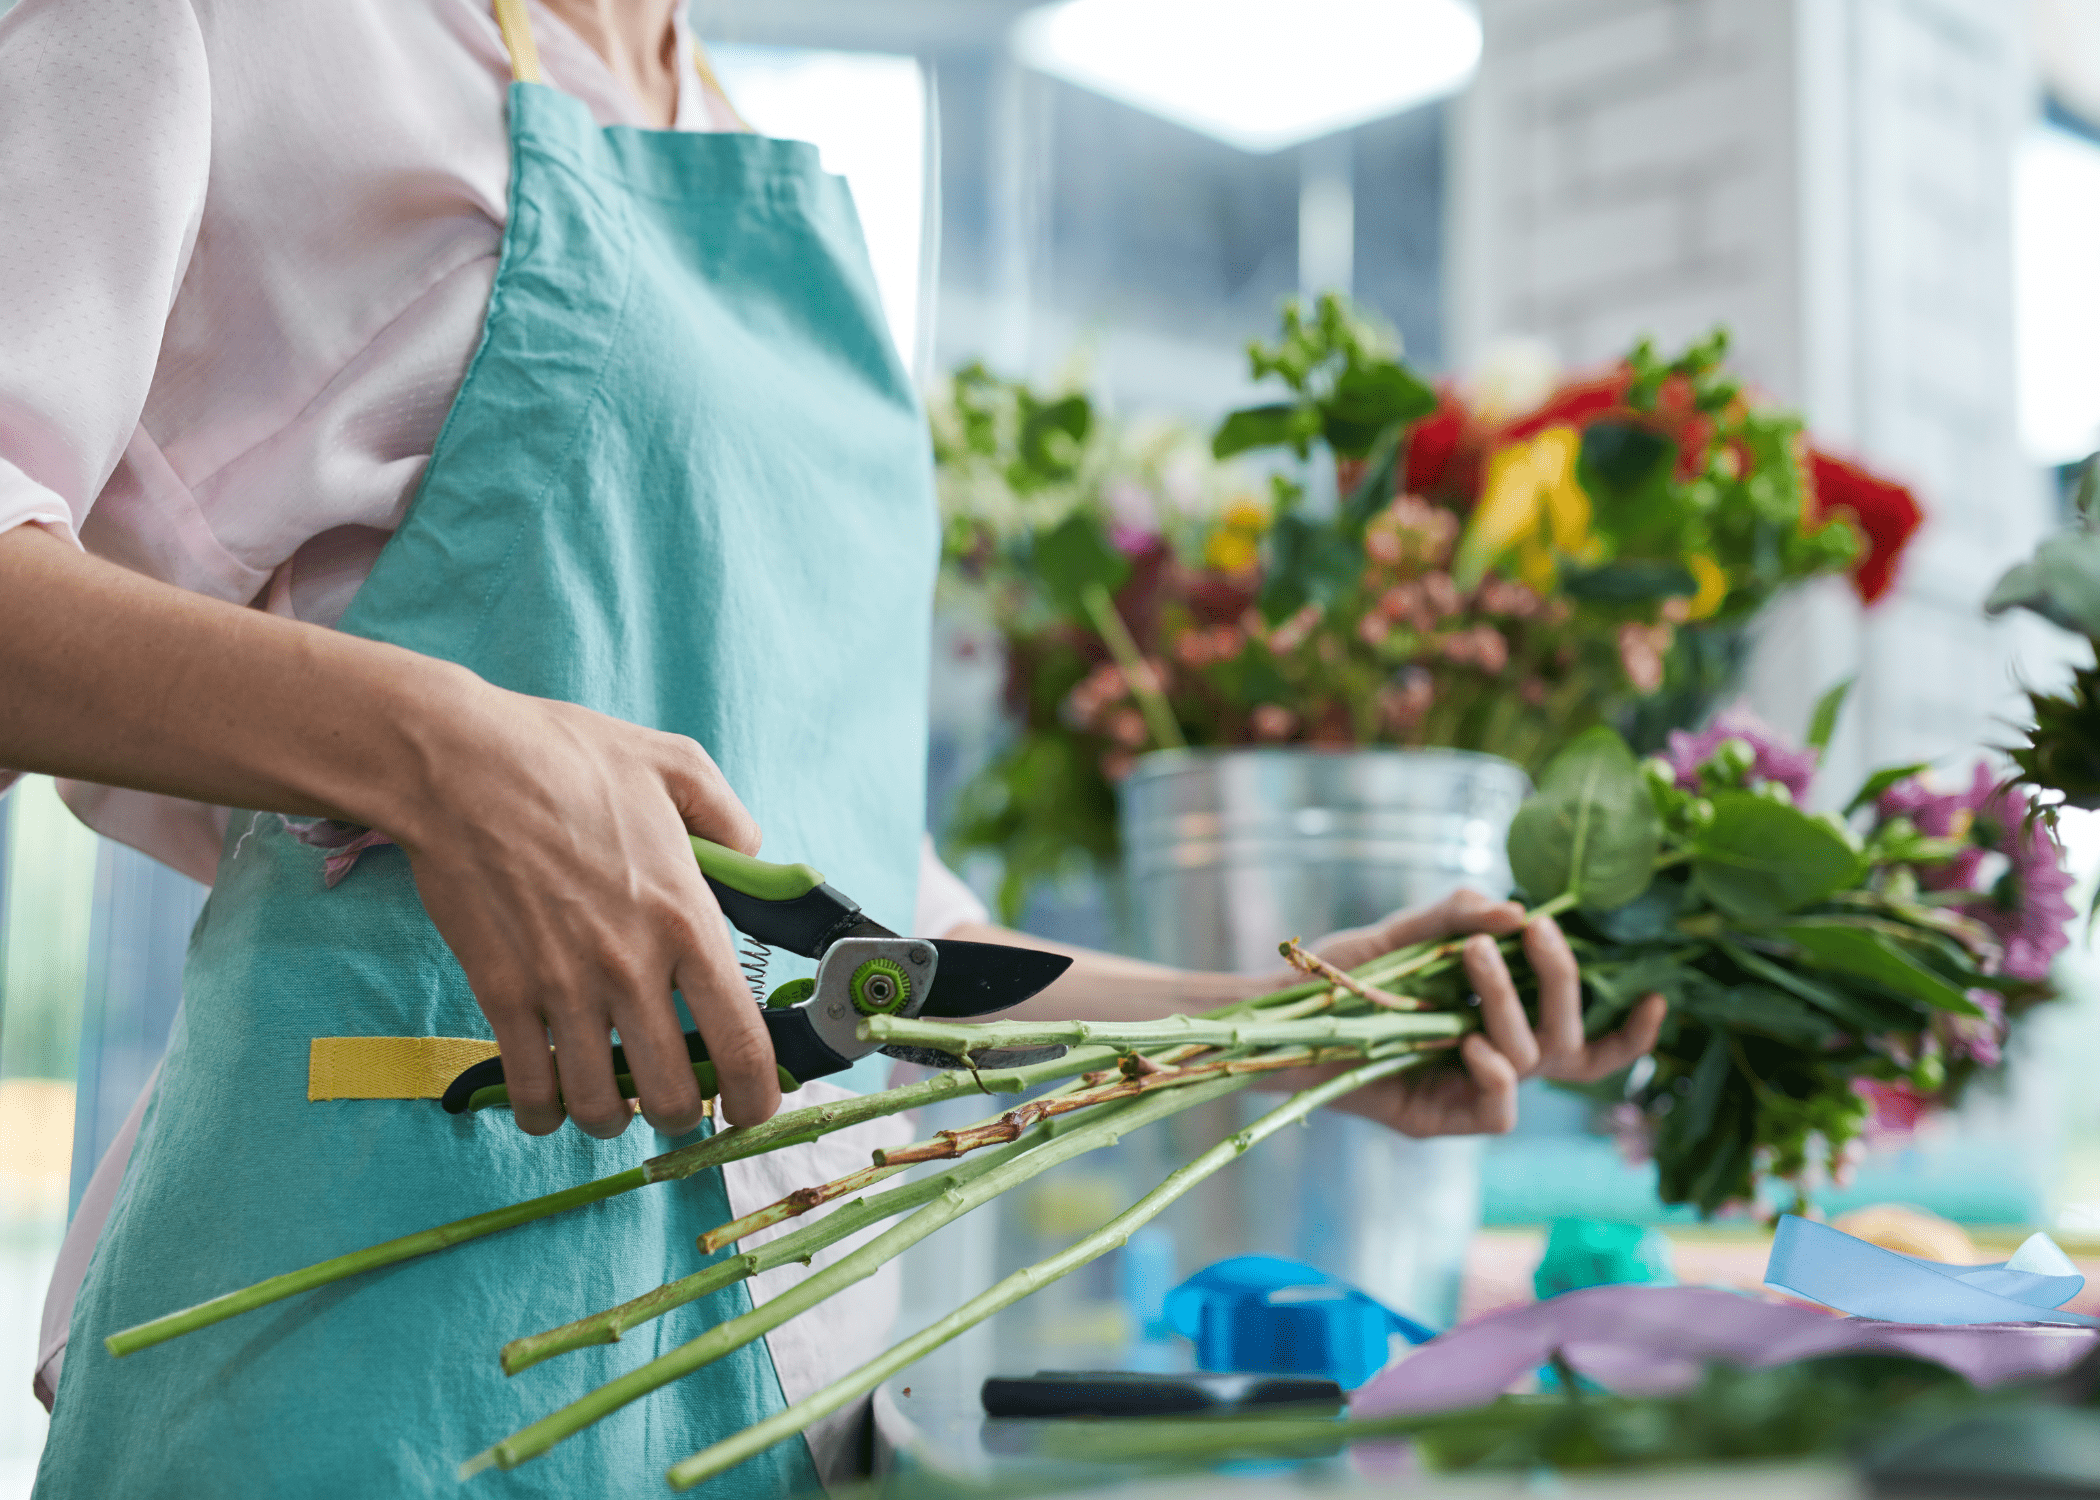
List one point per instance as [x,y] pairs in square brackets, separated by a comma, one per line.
[975,979]
[989,1060]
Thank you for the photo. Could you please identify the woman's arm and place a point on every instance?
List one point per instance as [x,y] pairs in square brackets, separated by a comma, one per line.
[1507,1049]
[548,841]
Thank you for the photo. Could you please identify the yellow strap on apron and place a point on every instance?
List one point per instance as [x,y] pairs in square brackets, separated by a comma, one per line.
[390,1067]
[516,26]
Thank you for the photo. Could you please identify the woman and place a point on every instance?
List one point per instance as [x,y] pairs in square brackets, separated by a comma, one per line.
[273,274]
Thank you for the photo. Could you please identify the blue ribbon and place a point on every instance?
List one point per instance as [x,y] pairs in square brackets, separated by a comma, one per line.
[1838,1270]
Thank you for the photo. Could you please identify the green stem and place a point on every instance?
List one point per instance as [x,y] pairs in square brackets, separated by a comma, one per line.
[760,1436]
[1159,716]
[962,1038]
[841,1223]
[959,1194]
[218,1309]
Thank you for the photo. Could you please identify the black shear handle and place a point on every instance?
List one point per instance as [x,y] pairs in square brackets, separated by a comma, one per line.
[798,1050]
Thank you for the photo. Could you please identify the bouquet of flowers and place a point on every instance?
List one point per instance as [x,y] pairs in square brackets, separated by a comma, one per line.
[1485,575]
[1827,975]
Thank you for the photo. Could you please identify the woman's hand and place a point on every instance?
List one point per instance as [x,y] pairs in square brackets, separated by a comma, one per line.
[548,841]
[1482,1099]
[551,853]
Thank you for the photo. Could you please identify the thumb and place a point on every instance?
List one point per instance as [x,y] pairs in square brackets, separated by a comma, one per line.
[704,798]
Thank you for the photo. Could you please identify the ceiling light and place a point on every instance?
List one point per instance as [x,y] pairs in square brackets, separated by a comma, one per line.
[1257,74]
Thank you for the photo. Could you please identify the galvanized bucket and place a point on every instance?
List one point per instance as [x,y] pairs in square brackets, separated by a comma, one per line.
[1229,852]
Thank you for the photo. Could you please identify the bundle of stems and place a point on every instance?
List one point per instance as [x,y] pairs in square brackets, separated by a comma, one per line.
[1114,1078]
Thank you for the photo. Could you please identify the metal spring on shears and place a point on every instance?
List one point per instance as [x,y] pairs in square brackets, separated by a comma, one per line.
[752,960]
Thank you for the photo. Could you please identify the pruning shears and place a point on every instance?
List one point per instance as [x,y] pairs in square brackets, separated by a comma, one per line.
[863,969]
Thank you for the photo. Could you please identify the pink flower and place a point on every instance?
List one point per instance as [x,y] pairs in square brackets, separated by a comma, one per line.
[2024,906]
[1272,721]
[1383,546]
[1897,1106]
[1793,768]
[1127,727]
[1226,642]
[1979,1037]
[1441,595]
[1294,632]
[1116,764]
[1407,698]
[1192,648]
[1132,541]
[1641,649]
[1374,628]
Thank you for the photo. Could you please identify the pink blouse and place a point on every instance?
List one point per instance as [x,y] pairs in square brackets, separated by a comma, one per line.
[246,251]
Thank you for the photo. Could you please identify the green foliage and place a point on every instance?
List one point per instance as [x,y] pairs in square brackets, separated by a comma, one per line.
[1757,859]
[1822,724]
[1591,832]
[1795,956]
[1349,385]
[1077,556]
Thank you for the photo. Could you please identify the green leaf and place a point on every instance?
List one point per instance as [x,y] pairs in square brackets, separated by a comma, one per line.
[1760,859]
[1077,555]
[2061,583]
[1650,917]
[1619,987]
[1309,562]
[1763,1010]
[1823,722]
[1374,491]
[1591,830]
[1370,400]
[1862,1014]
[1265,427]
[1051,435]
[1628,581]
[1872,788]
[1621,460]
[1701,1102]
[1850,949]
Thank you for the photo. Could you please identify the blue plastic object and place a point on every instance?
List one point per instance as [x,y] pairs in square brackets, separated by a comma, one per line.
[1264,1314]
[1590,1252]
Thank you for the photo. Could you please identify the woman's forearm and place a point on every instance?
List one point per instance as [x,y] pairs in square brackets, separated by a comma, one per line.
[113,677]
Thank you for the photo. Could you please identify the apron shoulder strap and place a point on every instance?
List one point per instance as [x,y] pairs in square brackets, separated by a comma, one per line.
[516,26]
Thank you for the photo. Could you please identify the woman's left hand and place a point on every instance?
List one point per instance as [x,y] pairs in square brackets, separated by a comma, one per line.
[1481,1098]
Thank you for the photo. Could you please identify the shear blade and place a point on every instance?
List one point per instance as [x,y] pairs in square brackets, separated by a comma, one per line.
[976,979]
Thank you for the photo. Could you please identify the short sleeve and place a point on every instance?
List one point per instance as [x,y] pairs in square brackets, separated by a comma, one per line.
[105,145]
[945,903]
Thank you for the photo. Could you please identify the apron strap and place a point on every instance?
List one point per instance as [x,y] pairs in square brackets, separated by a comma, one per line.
[390,1067]
[516,26]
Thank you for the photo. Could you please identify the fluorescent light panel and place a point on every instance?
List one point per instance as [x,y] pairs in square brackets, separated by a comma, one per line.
[1257,74]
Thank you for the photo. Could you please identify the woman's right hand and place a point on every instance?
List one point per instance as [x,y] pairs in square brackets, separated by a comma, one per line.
[549,842]
[550,851]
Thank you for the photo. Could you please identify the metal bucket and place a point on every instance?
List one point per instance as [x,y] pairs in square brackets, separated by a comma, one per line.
[1229,852]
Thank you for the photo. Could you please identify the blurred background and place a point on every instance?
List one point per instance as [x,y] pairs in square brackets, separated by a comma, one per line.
[1894,205]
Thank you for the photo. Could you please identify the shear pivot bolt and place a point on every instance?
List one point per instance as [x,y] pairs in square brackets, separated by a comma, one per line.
[879,987]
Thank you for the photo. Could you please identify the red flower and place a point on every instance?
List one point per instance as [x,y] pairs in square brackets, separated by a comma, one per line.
[1885,513]
[1432,443]
[1576,404]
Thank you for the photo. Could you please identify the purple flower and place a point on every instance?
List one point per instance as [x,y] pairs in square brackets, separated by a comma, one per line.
[1132,541]
[1792,767]
[2024,904]
[1980,1037]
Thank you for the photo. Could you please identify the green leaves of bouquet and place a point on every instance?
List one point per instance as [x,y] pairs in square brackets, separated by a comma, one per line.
[1810,968]
[1349,390]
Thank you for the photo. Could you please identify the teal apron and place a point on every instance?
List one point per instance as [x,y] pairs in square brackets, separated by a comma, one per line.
[686,483]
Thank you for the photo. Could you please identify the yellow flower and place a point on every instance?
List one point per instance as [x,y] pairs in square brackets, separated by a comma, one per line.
[1246,514]
[1230,551]
[1531,498]
[1713,586]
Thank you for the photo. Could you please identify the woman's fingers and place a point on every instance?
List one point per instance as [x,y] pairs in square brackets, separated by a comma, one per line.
[704,798]
[1494,1110]
[1461,912]
[583,1061]
[1635,1039]
[1501,1011]
[1560,1036]
[736,1036]
[528,1072]
[663,1072]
